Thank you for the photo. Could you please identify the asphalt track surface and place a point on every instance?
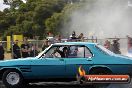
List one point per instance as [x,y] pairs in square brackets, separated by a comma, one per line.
[70,85]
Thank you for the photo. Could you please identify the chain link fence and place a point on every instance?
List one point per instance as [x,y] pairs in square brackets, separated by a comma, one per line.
[39,43]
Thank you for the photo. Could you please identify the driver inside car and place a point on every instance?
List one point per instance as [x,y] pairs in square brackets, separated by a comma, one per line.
[58,53]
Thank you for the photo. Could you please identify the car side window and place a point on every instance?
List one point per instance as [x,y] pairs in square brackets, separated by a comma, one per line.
[76,52]
[79,52]
[52,53]
[57,52]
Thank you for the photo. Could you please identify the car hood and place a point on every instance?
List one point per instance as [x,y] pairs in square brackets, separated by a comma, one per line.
[15,62]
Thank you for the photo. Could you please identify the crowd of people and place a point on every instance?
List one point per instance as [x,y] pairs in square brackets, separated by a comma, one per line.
[114,47]
[31,50]
[25,50]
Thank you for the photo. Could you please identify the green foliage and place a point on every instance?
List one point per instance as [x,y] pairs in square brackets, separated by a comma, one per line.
[57,21]
[35,17]
[53,24]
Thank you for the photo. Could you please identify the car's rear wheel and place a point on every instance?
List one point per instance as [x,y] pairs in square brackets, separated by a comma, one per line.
[101,71]
[12,79]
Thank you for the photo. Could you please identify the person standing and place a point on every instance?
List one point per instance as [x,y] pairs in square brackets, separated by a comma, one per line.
[58,40]
[73,37]
[45,44]
[107,44]
[81,37]
[116,46]
[1,52]
[16,50]
[34,50]
[129,44]
[25,49]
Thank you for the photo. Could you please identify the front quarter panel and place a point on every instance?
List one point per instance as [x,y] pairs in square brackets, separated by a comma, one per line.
[22,65]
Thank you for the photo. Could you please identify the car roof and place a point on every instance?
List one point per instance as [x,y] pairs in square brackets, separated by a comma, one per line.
[76,43]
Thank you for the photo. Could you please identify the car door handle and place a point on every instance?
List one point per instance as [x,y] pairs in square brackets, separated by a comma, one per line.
[89,59]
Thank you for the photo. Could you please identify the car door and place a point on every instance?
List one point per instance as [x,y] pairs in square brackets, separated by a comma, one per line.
[78,56]
[49,66]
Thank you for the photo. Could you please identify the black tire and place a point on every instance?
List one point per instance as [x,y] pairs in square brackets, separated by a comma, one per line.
[101,71]
[12,79]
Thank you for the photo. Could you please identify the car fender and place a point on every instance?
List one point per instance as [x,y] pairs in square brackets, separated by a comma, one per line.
[16,68]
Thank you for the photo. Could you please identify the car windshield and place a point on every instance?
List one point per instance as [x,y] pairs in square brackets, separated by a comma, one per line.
[40,54]
[103,49]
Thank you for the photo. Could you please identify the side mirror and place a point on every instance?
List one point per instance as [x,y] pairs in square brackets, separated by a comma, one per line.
[90,58]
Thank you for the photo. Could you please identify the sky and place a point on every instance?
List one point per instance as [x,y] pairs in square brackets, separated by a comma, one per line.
[2,6]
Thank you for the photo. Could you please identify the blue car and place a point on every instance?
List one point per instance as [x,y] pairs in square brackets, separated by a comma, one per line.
[60,62]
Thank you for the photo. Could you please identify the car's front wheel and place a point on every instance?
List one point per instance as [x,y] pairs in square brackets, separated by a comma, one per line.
[12,79]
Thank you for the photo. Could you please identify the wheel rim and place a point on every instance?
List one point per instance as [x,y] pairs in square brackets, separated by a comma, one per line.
[13,78]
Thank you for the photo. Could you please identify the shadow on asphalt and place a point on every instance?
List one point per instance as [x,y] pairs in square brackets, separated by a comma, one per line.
[60,86]
[57,86]
[71,85]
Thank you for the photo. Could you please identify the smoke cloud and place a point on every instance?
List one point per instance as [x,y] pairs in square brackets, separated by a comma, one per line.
[103,18]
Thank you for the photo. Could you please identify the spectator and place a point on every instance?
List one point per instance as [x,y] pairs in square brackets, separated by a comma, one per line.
[25,49]
[34,51]
[50,37]
[129,44]
[80,37]
[116,46]
[16,50]
[1,52]
[107,44]
[45,44]
[58,39]
[73,37]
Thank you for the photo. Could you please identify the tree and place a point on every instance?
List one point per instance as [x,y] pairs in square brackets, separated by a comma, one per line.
[58,21]
[53,24]
[35,17]
[13,3]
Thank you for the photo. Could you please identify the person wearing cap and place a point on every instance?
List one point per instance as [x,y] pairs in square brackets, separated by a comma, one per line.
[16,50]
